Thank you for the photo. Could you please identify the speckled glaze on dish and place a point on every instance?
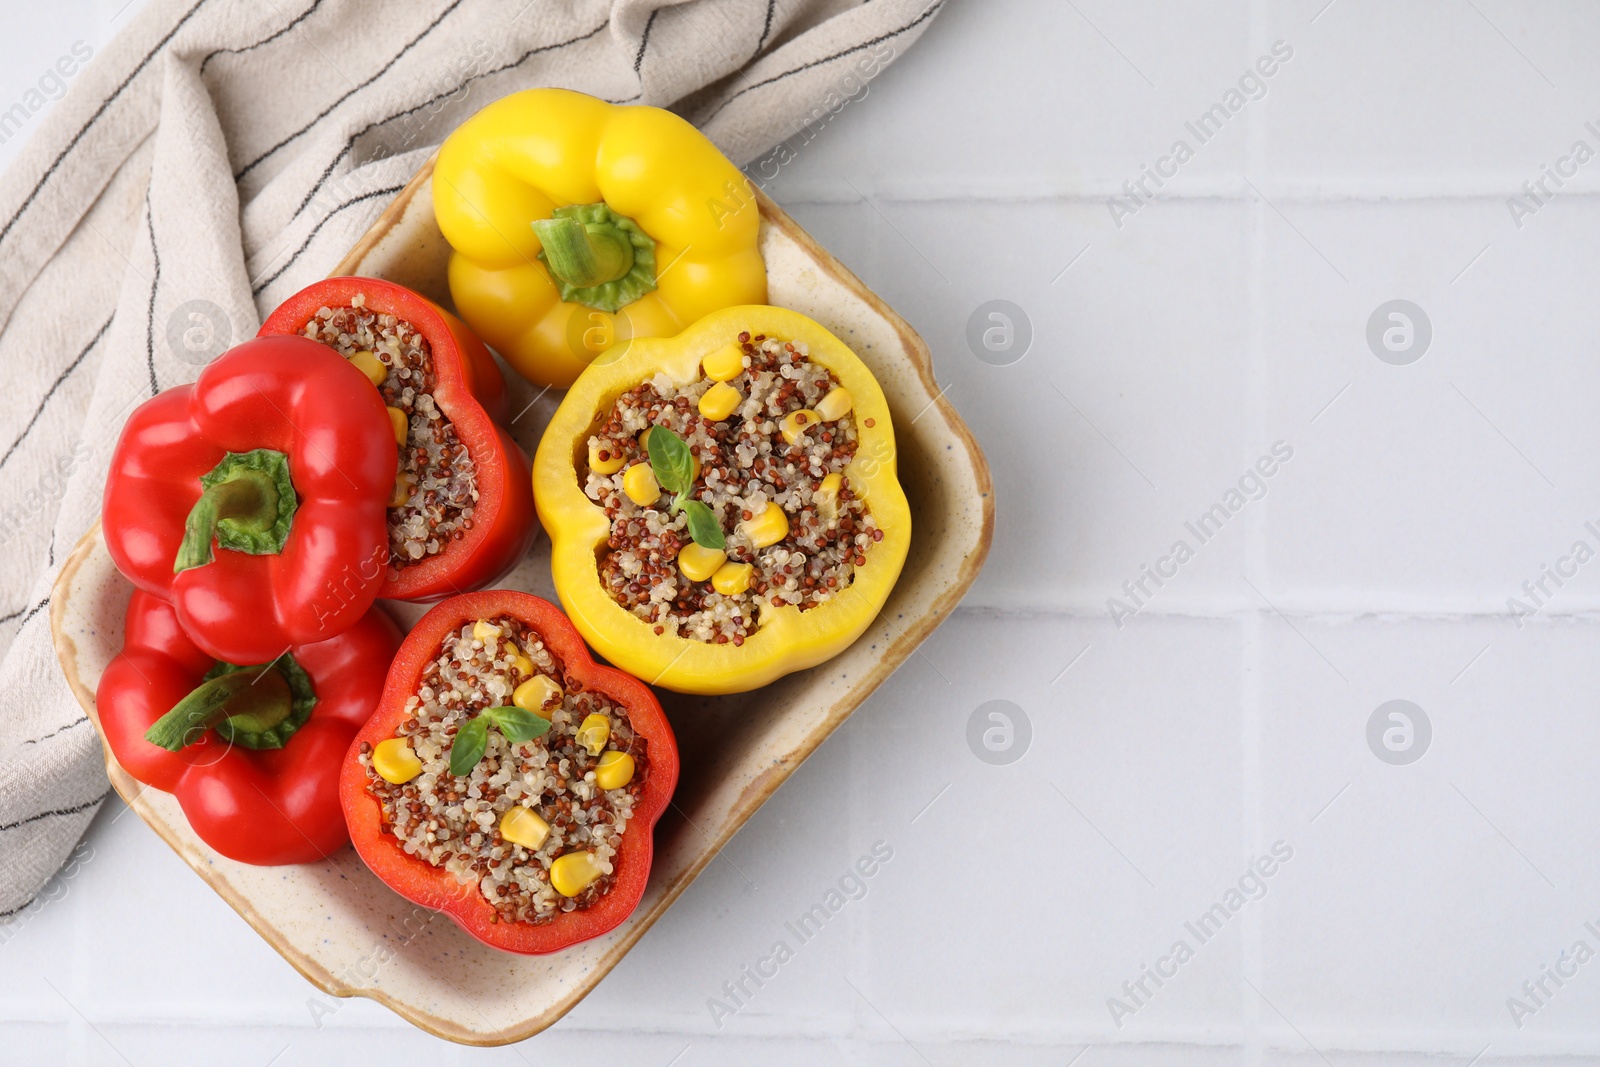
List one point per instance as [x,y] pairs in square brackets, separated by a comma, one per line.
[347,932]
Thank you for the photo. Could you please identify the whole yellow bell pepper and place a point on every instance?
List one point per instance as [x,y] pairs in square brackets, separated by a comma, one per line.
[577,224]
[785,639]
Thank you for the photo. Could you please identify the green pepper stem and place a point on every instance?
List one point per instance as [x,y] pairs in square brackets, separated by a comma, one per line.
[249,700]
[248,497]
[584,254]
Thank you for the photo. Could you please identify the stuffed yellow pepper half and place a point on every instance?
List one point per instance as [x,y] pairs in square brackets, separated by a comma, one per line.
[723,505]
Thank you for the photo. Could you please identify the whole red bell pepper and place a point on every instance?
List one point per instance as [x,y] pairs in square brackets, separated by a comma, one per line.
[434,887]
[283,455]
[470,392]
[252,754]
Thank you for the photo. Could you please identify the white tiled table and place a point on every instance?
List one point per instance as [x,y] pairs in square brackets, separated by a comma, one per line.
[1231,712]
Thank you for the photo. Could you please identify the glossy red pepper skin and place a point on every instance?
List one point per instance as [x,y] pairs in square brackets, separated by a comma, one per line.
[433,887]
[471,393]
[270,806]
[291,395]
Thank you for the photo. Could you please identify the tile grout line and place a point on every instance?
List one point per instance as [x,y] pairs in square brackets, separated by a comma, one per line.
[1250,714]
[1204,190]
[858,946]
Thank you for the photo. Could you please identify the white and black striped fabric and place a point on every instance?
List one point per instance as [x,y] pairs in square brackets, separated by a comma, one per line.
[221,154]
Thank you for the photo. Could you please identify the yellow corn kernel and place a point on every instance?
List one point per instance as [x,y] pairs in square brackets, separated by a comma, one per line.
[796,423]
[573,873]
[698,562]
[836,405]
[826,498]
[524,827]
[521,664]
[401,422]
[725,364]
[484,631]
[594,732]
[395,762]
[614,771]
[535,693]
[610,462]
[641,486]
[731,579]
[767,528]
[370,365]
[720,401]
[644,439]
[403,485]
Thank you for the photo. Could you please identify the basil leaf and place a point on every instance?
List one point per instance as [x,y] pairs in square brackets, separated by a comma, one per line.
[703,524]
[471,740]
[518,724]
[670,460]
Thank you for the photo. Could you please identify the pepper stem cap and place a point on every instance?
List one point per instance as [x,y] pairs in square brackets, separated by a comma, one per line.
[596,257]
[255,707]
[247,504]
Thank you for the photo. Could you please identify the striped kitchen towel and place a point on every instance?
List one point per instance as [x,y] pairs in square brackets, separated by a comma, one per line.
[221,154]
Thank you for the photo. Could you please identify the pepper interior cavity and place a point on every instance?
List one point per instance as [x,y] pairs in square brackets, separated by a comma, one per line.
[436,491]
[771,434]
[536,824]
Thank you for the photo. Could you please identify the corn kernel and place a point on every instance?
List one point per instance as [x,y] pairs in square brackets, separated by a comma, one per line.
[731,579]
[524,827]
[403,485]
[608,463]
[400,423]
[698,562]
[535,693]
[614,771]
[484,631]
[767,528]
[641,486]
[370,365]
[796,423]
[720,401]
[836,405]
[395,762]
[826,498]
[521,664]
[574,872]
[594,732]
[725,364]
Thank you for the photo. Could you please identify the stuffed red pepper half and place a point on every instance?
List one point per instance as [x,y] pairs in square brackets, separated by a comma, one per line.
[507,779]
[462,510]
[254,499]
[252,753]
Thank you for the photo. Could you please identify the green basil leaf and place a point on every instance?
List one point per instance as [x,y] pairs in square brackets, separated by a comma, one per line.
[518,724]
[471,740]
[703,524]
[670,460]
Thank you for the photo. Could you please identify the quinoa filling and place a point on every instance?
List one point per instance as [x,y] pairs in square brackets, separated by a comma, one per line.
[508,823]
[765,435]
[436,491]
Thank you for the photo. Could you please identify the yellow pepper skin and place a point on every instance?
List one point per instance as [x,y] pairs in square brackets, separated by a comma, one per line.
[526,155]
[786,638]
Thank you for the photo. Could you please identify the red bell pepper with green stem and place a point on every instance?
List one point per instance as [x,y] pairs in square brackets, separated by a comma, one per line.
[468,391]
[254,499]
[253,754]
[434,887]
